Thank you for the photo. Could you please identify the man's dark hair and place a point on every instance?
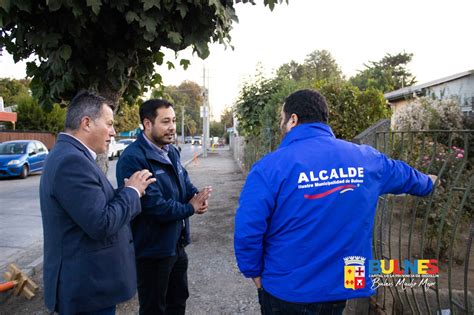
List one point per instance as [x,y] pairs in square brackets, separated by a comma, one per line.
[309,105]
[149,109]
[84,104]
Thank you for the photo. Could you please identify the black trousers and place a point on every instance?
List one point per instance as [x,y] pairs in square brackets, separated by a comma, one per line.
[270,305]
[163,284]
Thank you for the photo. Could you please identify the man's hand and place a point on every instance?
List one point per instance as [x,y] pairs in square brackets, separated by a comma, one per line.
[433,178]
[140,181]
[258,282]
[199,200]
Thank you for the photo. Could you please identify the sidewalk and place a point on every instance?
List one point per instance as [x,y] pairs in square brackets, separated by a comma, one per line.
[215,285]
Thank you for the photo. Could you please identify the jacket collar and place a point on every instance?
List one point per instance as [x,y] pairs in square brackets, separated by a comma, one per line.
[305,131]
[79,145]
[150,152]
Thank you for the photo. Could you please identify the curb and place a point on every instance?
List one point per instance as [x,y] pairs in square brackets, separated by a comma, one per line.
[186,163]
[35,266]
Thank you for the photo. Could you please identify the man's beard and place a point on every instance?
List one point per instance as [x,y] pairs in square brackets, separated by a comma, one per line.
[161,141]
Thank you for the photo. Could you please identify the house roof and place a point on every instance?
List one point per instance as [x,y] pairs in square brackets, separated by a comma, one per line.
[417,89]
[11,117]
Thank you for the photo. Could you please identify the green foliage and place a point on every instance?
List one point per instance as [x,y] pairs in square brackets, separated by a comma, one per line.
[31,116]
[128,117]
[216,129]
[351,111]
[251,102]
[11,89]
[445,154]
[259,105]
[387,75]
[227,117]
[109,46]
[187,95]
[318,65]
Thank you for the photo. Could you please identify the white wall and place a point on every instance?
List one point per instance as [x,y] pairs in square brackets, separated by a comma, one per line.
[463,88]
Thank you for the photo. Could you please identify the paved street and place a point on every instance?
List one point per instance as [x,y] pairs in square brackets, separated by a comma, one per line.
[20,217]
[21,232]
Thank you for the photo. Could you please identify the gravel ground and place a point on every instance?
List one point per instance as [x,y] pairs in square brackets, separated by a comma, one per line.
[215,284]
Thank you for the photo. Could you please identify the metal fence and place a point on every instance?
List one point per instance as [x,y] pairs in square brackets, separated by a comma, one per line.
[438,227]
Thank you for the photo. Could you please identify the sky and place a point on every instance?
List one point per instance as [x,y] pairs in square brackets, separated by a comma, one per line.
[437,32]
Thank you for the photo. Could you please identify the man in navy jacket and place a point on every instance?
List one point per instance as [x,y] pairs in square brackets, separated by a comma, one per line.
[89,264]
[310,204]
[161,231]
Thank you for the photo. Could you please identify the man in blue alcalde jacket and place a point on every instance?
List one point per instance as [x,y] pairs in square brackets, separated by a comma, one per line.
[161,231]
[310,204]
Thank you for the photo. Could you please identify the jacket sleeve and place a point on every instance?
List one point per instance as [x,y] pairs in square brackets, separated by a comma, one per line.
[190,188]
[154,203]
[80,193]
[256,205]
[399,178]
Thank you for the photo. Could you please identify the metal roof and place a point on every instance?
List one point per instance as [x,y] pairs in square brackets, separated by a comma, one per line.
[417,89]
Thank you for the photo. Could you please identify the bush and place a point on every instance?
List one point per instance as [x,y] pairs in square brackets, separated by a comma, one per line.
[445,154]
[31,116]
[426,113]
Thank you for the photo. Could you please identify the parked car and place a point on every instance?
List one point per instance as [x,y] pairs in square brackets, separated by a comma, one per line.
[188,139]
[22,157]
[126,142]
[197,140]
[115,149]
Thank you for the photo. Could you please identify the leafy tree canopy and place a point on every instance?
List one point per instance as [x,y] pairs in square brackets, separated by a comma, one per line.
[188,96]
[11,90]
[387,75]
[227,117]
[128,117]
[109,46]
[318,65]
[31,116]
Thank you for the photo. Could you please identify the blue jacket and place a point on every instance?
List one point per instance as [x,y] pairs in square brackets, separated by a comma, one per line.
[89,260]
[310,204]
[158,228]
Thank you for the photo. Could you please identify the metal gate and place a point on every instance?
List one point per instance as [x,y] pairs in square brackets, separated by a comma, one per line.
[438,227]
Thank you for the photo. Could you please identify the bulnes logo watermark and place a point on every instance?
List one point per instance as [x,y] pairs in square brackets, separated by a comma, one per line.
[354,272]
[390,273]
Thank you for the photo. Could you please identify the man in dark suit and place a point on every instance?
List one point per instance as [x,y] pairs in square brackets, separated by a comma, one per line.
[88,250]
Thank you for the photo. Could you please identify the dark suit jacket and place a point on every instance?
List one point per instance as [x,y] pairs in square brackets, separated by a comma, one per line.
[89,259]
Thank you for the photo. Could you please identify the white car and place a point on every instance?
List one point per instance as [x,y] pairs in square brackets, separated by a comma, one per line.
[115,149]
[126,142]
[197,140]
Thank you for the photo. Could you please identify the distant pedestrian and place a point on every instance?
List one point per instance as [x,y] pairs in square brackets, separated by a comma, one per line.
[161,231]
[310,205]
[89,264]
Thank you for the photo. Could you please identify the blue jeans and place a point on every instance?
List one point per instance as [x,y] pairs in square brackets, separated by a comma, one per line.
[271,305]
[105,311]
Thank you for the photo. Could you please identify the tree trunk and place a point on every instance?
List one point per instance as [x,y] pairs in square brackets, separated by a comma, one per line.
[113,96]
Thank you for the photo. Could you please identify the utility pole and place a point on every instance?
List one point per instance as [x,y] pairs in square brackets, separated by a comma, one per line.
[209,113]
[182,123]
[204,114]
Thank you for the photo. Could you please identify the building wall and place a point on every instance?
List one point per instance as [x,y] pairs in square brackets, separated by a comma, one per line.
[462,88]
[397,105]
